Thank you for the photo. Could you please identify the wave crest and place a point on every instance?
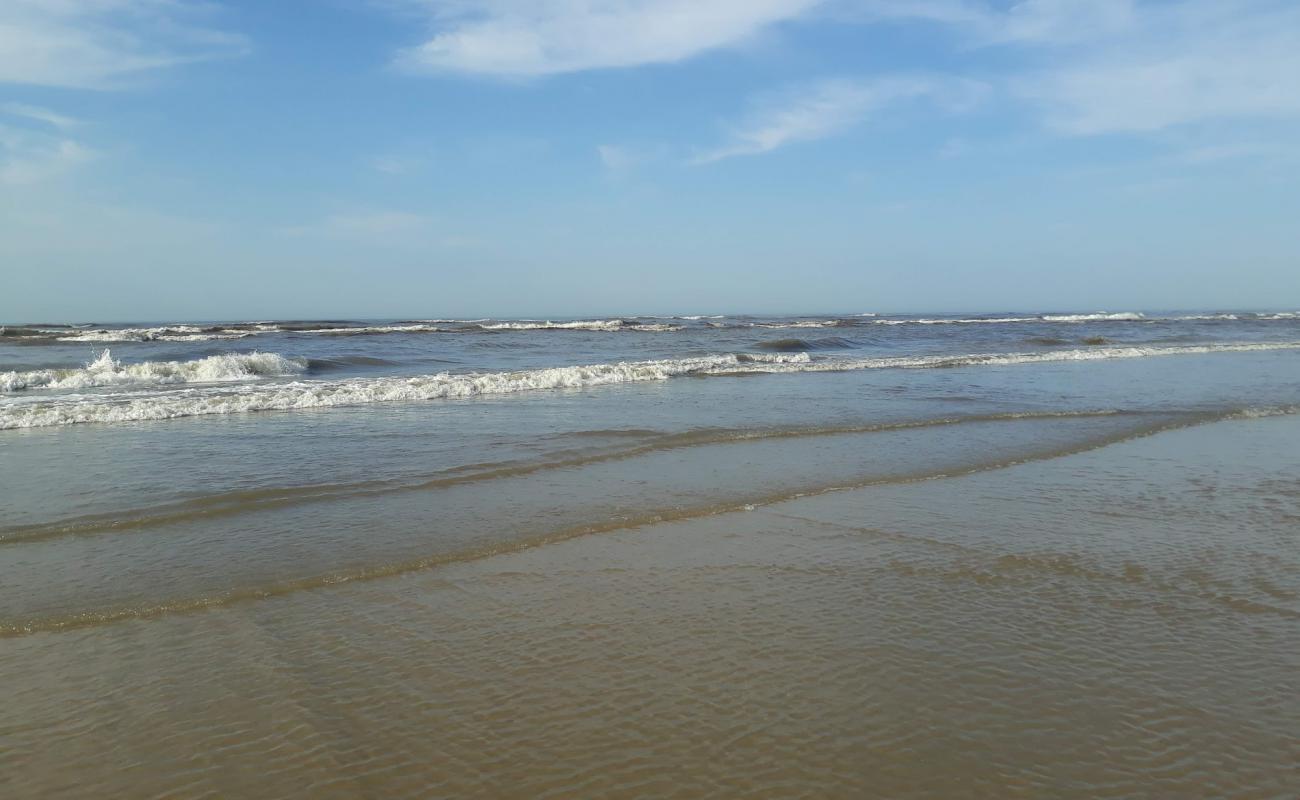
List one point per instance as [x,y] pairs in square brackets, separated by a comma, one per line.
[107,371]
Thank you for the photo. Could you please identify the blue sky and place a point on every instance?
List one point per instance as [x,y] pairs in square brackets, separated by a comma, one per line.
[169,159]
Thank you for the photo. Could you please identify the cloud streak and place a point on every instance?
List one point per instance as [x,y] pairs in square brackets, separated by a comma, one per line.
[826,108]
[525,38]
[103,44]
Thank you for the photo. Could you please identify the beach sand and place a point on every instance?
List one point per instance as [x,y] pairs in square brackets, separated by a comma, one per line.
[1118,622]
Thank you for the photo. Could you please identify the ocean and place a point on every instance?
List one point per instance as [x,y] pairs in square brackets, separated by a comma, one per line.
[1020,554]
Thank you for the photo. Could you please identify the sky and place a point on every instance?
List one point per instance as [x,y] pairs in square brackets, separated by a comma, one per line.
[239,159]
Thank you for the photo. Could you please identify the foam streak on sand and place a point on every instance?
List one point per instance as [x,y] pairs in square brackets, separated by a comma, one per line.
[45,411]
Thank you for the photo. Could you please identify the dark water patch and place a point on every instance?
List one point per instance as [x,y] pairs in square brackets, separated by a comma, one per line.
[798,345]
[1096,340]
[344,362]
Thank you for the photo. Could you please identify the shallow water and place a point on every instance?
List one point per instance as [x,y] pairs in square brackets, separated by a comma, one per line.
[1042,573]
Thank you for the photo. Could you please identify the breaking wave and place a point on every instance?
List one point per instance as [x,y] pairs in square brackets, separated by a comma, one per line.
[356,391]
[108,371]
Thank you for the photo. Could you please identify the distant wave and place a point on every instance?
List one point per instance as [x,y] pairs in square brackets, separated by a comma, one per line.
[31,333]
[107,371]
[169,333]
[804,323]
[954,321]
[356,391]
[1124,316]
[364,330]
[580,325]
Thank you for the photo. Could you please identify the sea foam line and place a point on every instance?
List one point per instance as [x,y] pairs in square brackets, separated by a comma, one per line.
[198,401]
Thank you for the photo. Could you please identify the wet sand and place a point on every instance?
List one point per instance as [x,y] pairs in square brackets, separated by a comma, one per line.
[1118,622]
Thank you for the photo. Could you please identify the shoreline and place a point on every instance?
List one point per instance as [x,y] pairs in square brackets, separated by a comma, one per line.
[906,640]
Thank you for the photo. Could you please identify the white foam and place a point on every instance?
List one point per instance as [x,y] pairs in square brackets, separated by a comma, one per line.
[1265,413]
[192,401]
[806,323]
[107,371]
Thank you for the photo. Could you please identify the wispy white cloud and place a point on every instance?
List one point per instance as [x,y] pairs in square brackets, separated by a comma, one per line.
[1115,66]
[983,22]
[523,38]
[818,110]
[100,44]
[32,156]
[1177,66]
[39,114]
